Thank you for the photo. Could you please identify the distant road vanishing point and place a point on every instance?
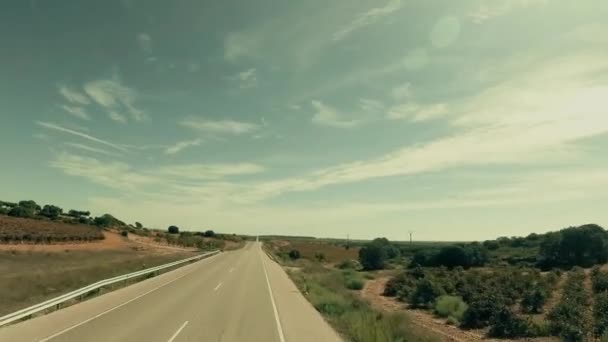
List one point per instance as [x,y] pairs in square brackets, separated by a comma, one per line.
[234,296]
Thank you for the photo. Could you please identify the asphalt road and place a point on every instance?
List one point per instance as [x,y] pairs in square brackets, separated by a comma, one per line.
[234,296]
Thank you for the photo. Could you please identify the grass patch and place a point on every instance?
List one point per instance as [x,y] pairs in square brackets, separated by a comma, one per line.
[28,278]
[349,315]
[450,307]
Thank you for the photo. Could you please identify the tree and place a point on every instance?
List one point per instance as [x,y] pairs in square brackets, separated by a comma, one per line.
[139,225]
[31,205]
[319,256]
[575,246]
[426,292]
[107,220]
[372,256]
[534,301]
[173,230]
[20,211]
[78,214]
[294,254]
[51,211]
[209,233]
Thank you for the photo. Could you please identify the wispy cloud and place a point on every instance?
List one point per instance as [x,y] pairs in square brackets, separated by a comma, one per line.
[417,112]
[219,126]
[78,112]
[491,9]
[74,96]
[182,145]
[114,96]
[58,128]
[145,42]
[247,78]
[402,91]
[210,171]
[367,18]
[115,116]
[88,148]
[328,116]
[240,44]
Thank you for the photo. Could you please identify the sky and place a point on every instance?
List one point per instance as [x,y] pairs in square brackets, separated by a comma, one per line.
[455,120]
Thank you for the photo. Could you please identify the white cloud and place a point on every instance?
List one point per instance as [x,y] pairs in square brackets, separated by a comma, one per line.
[416,112]
[247,78]
[181,145]
[416,59]
[369,105]
[145,42]
[115,116]
[327,116]
[88,148]
[55,127]
[113,95]
[74,96]
[219,126]
[240,44]
[116,175]
[402,91]
[367,18]
[210,171]
[78,112]
[496,8]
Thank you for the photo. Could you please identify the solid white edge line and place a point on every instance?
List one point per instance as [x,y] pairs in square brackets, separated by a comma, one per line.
[178,331]
[274,306]
[217,287]
[114,308]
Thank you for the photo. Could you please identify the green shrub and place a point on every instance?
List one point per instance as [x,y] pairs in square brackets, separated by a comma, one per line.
[349,264]
[569,318]
[425,293]
[600,314]
[506,324]
[354,284]
[534,301]
[294,254]
[124,233]
[450,306]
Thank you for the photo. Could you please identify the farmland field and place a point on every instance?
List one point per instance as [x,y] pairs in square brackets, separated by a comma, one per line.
[24,230]
[309,249]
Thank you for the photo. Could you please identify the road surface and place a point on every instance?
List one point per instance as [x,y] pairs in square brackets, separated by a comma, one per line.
[234,296]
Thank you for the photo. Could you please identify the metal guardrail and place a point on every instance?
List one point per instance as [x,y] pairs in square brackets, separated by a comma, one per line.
[15,316]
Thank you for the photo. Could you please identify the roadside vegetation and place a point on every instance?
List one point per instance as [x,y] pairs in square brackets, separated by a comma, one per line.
[27,222]
[332,283]
[27,278]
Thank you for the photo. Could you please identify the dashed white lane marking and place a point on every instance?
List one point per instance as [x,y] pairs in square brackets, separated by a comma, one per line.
[178,331]
[217,287]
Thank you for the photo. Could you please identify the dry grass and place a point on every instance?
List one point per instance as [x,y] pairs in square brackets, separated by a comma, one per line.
[27,278]
[332,253]
[23,230]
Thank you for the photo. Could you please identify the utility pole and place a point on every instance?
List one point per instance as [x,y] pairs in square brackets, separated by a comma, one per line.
[411,232]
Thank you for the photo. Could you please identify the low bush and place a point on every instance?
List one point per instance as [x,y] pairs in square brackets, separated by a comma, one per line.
[600,314]
[354,284]
[450,306]
[569,319]
[425,293]
[294,254]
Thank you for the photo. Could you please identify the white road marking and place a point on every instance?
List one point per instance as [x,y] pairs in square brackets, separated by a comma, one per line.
[217,287]
[178,331]
[114,308]
[274,306]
